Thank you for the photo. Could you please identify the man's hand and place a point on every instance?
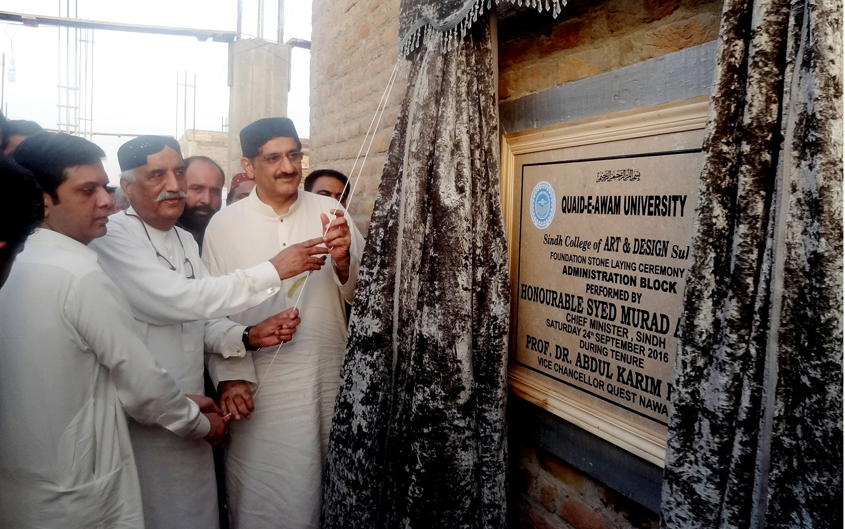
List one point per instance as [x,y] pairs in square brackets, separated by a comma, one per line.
[298,258]
[218,427]
[338,239]
[236,398]
[275,329]
[216,417]
[206,404]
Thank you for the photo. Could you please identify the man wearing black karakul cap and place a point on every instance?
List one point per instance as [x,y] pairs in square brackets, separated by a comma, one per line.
[180,314]
[274,461]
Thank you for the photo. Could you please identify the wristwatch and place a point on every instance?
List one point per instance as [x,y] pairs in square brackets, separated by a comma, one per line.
[245,339]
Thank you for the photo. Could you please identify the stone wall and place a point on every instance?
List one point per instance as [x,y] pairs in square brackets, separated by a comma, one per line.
[596,36]
[353,51]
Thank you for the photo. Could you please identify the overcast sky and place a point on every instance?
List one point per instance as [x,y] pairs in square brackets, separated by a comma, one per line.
[134,84]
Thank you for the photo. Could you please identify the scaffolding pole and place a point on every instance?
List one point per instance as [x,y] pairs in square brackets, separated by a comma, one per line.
[280,36]
[240,17]
[260,34]
[39,20]
[183,87]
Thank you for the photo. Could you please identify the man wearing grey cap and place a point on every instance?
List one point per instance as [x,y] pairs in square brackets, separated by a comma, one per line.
[274,460]
[179,311]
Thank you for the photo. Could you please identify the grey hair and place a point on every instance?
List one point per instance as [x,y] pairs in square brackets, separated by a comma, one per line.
[128,175]
[120,199]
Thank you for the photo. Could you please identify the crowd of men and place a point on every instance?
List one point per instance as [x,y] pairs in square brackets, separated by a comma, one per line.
[111,314]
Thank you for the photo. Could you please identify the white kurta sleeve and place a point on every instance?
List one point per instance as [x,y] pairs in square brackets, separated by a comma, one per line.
[224,337]
[347,290]
[220,366]
[99,312]
[160,296]
[222,369]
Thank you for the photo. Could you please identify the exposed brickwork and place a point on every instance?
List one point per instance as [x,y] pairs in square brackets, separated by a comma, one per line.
[353,51]
[546,492]
[596,36]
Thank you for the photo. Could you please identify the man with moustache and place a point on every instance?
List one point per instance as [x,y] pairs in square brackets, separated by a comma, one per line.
[205,195]
[72,363]
[179,311]
[274,460]
[329,183]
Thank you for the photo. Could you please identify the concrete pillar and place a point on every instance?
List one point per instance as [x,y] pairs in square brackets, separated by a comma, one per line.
[211,143]
[259,80]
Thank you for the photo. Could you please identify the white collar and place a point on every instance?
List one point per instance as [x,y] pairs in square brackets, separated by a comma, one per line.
[48,237]
[268,210]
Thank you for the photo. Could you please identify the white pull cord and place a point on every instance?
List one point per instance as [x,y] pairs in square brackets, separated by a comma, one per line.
[385,97]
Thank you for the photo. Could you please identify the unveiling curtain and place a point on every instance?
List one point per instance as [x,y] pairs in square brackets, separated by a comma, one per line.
[444,22]
[418,439]
[755,427]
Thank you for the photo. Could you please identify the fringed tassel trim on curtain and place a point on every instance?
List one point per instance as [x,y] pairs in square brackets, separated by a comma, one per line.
[446,34]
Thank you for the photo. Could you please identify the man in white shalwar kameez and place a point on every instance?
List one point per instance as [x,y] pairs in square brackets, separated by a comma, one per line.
[274,461]
[72,363]
[179,313]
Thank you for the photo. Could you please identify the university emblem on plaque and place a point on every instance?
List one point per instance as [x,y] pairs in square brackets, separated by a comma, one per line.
[542,205]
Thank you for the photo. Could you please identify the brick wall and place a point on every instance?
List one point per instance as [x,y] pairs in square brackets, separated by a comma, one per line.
[596,36]
[547,493]
[353,51]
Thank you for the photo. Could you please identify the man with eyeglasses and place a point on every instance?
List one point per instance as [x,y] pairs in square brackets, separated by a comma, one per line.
[180,314]
[72,362]
[274,461]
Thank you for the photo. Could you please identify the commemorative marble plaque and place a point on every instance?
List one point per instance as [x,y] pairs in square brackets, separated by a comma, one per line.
[603,255]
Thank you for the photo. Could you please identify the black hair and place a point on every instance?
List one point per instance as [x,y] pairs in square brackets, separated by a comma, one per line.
[21,127]
[21,205]
[191,159]
[48,155]
[312,177]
